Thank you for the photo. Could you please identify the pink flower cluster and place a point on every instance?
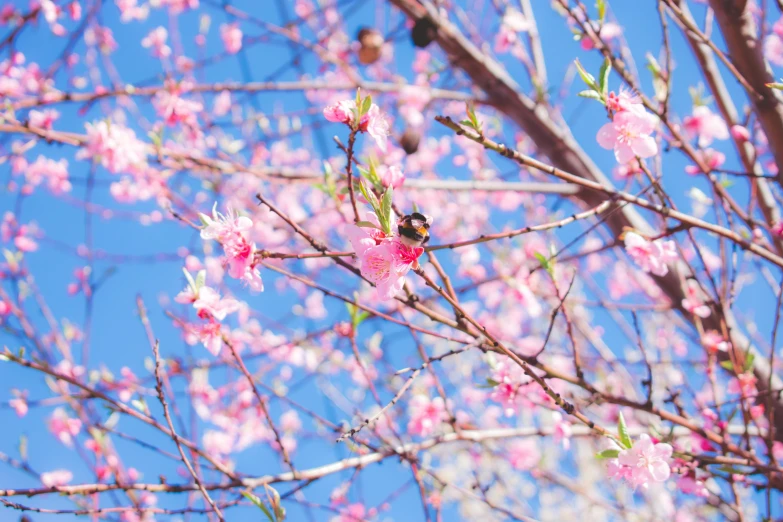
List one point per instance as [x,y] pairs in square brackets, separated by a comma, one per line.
[374,123]
[55,173]
[651,256]
[231,35]
[645,462]
[628,134]
[114,146]
[233,232]
[213,309]
[706,126]
[156,39]
[694,301]
[426,415]
[384,260]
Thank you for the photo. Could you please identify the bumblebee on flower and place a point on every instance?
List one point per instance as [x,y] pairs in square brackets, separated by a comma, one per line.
[385,257]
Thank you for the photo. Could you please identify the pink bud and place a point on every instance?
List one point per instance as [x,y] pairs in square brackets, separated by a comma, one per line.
[740,133]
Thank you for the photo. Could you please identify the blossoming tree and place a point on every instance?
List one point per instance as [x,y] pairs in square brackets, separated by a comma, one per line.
[357,260]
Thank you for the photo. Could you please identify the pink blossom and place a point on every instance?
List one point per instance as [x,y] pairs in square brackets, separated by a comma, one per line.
[562,432]
[379,267]
[74,10]
[608,32]
[156,39]
[651,256]
[629,135]
[114,146]
[777,228]
[10,229]
[373,122]
[103,37]
[385,264]
[647,461]
[377,126]
[690,485]
[54,172]
[712,159]
[130,10]
[20,406]
[694,300]
[740,133]
[231,35]
[773,49]
[56,478]
[392,177]
[43,119]
[513,22]
[706,126]
[222,104]
[210,335]
[64,427]
[232,232]
[209,303]
[340,112]
[625,101]
[523,454]
[174,109]
[744,384]
[426,415]
[715,342]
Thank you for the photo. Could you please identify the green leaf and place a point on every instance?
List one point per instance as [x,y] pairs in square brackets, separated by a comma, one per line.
[201,278]
[778,86]
[257,501]
[608,454]
[601,5]
[727,365]
[386,210]
[370,197]
[588,78]
[591,94]
[366,224]
[622,431]
[545,264]
[467,123]
[360,318]
[749,358]
[366,104]
[603,76]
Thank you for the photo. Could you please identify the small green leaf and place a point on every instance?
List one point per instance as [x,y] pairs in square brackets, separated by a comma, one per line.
[608,454]
[201,278]
[588,78]
[603,76]
[191,282]
[601,5]
[778,86]
[366,105]
[366,224]
[591,94]
[727,365]
[622,431]
[386,210]
[467,123]
[257,501]
[370,197]
[545,264]
[749,358]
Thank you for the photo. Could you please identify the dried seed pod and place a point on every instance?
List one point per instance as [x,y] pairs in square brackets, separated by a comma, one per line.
[409,141]
[424,32]
[371,44]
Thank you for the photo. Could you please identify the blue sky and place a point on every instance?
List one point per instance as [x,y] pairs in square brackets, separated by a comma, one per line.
[117,338]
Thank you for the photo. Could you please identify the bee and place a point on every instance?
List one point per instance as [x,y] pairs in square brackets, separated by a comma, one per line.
[414,229]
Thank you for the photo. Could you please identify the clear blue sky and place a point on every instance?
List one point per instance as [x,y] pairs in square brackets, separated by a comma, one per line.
[117,337]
